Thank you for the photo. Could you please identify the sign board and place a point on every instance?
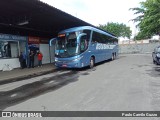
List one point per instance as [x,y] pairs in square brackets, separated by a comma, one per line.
[12,37]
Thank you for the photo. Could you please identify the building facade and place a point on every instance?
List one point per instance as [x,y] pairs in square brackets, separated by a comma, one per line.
[12,45]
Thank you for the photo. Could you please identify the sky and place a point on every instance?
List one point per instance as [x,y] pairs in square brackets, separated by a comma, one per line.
[98,12]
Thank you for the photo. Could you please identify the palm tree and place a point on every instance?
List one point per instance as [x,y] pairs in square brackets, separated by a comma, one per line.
[149,17]
[140,11]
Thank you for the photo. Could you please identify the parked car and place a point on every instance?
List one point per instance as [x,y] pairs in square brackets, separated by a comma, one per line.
[156,55]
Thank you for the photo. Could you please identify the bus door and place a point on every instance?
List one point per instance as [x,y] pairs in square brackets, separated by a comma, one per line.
[83,46]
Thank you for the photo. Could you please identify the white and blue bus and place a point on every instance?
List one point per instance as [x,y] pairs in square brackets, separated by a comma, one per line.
[83,46]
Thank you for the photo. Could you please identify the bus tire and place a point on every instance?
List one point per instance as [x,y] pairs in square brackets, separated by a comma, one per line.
[91,65]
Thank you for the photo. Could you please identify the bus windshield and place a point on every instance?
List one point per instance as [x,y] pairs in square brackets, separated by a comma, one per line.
[66,45]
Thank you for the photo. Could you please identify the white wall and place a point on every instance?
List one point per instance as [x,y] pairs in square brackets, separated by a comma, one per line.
[52,52]
[14,50]
[44,48]
[138,48]
[13,63]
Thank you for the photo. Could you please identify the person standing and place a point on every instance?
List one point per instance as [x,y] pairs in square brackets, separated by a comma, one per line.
[40,56]
[31,57]
[24,60]
[21,60]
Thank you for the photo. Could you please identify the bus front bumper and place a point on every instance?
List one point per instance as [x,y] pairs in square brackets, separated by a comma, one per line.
[75,64]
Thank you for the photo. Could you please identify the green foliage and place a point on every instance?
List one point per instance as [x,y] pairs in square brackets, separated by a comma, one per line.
[149,18]
[141,36]
[120,30]
[139,11]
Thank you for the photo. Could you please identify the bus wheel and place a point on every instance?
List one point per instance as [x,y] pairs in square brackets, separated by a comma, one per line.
[91,62]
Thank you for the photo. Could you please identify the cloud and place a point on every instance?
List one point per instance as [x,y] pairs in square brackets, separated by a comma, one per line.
[98,11]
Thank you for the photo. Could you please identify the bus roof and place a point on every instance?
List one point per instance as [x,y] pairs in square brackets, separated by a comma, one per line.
[88,28]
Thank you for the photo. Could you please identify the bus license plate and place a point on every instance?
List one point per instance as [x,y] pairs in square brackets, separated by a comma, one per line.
[64,65]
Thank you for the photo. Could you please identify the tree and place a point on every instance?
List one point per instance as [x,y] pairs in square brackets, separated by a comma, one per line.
[141,36]
[151,21]
[140,11]
[149,18]
[119,30]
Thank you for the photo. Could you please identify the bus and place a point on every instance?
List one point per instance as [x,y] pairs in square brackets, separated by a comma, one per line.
[84,46]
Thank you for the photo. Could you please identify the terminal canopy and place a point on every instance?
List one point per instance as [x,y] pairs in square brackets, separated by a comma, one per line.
[34,18]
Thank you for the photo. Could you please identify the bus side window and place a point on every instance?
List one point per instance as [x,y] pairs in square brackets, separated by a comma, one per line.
[83,44]
[94,38]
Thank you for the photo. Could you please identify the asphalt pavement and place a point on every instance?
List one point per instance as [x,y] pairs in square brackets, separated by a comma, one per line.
[129,83]
[19,74]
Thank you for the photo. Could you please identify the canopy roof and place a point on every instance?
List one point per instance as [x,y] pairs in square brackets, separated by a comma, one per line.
[34,18]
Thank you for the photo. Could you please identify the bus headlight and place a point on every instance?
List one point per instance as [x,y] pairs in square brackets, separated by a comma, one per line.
[158,55]
[78,58]
[56,60]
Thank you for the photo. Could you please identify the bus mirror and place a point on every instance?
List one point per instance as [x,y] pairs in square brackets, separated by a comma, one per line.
[51,41]
[80,35]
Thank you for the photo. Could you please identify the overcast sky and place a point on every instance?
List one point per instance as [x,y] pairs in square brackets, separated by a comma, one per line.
[99,11]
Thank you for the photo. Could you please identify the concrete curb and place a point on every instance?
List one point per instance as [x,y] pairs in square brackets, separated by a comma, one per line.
[20,78]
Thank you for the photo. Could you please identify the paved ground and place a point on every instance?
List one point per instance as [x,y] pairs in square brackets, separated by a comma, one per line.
[18,74]
[130,83]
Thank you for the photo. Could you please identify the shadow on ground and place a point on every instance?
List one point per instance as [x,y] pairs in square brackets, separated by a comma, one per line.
[31,90]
